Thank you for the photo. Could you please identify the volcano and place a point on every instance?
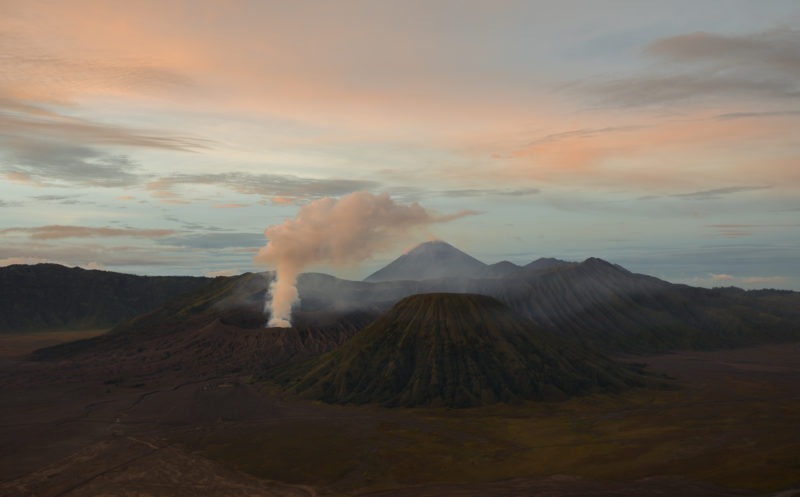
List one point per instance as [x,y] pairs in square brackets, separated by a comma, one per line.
[430,261]
[453,350]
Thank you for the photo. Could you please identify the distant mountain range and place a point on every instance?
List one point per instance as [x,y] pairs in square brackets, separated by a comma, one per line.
[440,260]
[594,306]
[45,297]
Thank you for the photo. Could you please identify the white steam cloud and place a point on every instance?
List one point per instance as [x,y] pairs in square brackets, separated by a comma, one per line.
[338,232]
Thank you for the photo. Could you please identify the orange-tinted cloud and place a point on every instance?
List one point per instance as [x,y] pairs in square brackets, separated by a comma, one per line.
[763,280]
[664,155]
[230,206]
[58,231]
[396,82]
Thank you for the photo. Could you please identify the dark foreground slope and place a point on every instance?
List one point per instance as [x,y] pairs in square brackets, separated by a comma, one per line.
[50,296]
[731,425]
[454,350]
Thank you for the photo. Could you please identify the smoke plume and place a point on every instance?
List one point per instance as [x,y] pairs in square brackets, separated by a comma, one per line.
[338,232]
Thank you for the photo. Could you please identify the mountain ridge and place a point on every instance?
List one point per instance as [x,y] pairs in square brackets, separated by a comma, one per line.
[43,297]
[595,304]
[429,260]
[451,350]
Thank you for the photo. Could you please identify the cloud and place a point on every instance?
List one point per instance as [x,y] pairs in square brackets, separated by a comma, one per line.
[54,126]
[43,162]
[642,91]
[740,230]
[733,233]
[776,49]
[54,198]
[717,193]
[704,65]
[84,254]
[44,59]
[582,133]
[489,192]
[753,225]
[230,206]
[762,280]
[750,115]
[278,200]
[451,217]
[40,146]
[61,199]
[722,277]
[284,187]
[22,107]
[56,232]
[213,240]
[188,225]
[665,154]
[21,178]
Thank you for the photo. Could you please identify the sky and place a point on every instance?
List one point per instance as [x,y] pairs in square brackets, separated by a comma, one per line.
[156,137]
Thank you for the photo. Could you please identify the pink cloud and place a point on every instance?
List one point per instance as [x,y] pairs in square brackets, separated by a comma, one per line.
[230,206]
[282,200]
[763,280]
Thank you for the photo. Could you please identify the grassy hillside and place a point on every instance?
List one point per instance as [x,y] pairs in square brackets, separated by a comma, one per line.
[454,350]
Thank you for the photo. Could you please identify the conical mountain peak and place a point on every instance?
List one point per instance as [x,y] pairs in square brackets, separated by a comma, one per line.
[454,350]
[429,261]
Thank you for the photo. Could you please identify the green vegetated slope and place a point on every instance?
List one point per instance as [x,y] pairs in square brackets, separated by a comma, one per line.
[608,308]
[53,297]
[454,350]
